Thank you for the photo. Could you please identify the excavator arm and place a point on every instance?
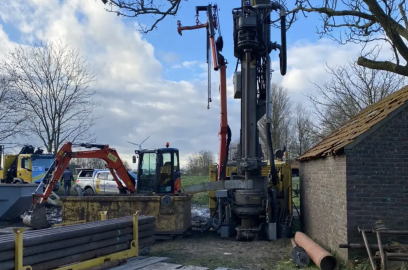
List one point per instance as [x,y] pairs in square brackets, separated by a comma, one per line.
[36,217]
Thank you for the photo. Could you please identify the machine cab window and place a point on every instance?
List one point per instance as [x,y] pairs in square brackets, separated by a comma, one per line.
[165,173]
[158,170]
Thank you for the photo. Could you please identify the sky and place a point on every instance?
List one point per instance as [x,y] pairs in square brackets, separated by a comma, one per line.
[156,84]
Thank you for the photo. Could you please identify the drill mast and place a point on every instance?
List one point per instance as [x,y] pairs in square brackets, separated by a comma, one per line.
[249,201]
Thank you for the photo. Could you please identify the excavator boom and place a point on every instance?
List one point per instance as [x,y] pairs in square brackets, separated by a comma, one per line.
[36,217]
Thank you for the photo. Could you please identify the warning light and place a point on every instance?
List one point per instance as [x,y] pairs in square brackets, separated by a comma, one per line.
[167,144]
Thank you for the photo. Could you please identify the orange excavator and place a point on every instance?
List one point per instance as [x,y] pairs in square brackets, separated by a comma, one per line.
[219,64]
[36,216]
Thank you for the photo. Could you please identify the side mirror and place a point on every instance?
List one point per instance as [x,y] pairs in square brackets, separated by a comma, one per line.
[134,159]
[23,163]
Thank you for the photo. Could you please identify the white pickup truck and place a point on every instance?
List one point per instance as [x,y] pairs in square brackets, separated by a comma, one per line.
[98,181]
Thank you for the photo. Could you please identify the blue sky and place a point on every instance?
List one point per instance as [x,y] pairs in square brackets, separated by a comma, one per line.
[156,84]
[192,45]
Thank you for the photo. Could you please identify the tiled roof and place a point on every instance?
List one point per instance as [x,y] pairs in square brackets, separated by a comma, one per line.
[358,125]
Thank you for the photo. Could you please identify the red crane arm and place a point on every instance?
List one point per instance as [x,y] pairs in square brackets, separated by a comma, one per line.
[65,154]
[219,63]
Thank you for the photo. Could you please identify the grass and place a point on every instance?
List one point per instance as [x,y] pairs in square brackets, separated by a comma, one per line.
[199,198]
[188,180]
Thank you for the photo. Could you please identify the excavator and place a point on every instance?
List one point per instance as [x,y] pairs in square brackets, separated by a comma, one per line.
[155,175]
[36,215]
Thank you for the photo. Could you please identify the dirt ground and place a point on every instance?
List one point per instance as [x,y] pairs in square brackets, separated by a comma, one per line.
[210,250]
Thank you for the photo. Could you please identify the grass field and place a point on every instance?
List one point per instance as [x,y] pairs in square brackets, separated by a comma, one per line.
[199,198]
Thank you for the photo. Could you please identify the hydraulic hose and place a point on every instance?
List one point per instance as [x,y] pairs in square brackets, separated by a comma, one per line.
[224,165]
[271,154]
[282,9]
[273,206]
[217,226]
[283,55]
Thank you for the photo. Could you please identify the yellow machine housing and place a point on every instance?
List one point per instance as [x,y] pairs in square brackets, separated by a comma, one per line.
[284,170]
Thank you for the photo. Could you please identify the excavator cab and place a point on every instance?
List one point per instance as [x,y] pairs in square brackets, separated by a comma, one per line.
[158,170]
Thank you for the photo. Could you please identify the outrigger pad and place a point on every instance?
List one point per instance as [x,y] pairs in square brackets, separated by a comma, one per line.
[36,217]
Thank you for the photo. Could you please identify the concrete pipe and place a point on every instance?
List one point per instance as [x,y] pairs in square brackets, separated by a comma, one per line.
[323,259]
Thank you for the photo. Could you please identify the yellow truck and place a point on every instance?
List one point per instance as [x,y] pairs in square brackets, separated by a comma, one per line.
[28,166]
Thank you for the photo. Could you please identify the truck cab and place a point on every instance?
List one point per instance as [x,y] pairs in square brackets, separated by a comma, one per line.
[158,170]
[29,166]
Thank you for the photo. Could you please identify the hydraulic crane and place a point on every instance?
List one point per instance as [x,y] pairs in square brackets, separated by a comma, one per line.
[219,64]
[256,198]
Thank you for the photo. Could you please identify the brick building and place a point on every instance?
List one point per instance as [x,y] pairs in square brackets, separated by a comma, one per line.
[358,175]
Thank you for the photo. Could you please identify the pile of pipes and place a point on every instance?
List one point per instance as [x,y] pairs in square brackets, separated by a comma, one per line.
[53,247]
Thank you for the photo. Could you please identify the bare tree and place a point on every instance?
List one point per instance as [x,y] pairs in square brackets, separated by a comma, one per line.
[302,131]
[280,120]
[199,162]
[234,150]
[89,163]
[53,83]
[135,8]
[11,119]
[127,165]
[363,22]
[351,89]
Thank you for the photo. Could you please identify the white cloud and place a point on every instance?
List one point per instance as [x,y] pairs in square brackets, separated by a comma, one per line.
[307,64]
[136,99]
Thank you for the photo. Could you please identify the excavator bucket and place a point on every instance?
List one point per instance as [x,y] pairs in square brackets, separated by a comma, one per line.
[36,217]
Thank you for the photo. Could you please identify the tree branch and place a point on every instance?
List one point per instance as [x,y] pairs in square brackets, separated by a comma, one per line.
[137,8]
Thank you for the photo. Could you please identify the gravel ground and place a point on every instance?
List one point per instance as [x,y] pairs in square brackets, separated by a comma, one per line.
[210,250]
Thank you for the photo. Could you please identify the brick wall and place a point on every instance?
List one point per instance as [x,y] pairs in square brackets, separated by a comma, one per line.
[323,199]
[377,178]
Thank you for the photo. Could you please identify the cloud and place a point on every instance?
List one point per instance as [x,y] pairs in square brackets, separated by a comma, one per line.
[307,64]
[137,101]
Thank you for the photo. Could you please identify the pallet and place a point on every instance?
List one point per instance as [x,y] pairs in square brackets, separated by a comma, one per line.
[158,263]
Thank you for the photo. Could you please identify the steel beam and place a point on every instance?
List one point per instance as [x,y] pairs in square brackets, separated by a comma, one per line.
[80,257]
[68,252]
[56,234]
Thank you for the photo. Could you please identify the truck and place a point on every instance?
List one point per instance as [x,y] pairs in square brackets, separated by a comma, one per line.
[28,166]
[98,181]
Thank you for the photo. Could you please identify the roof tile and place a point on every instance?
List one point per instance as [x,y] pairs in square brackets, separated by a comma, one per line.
[357,125]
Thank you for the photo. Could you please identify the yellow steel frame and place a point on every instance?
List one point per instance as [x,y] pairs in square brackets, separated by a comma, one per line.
[133,251]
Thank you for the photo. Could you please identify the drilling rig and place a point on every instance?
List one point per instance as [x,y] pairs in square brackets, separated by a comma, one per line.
[249,197]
